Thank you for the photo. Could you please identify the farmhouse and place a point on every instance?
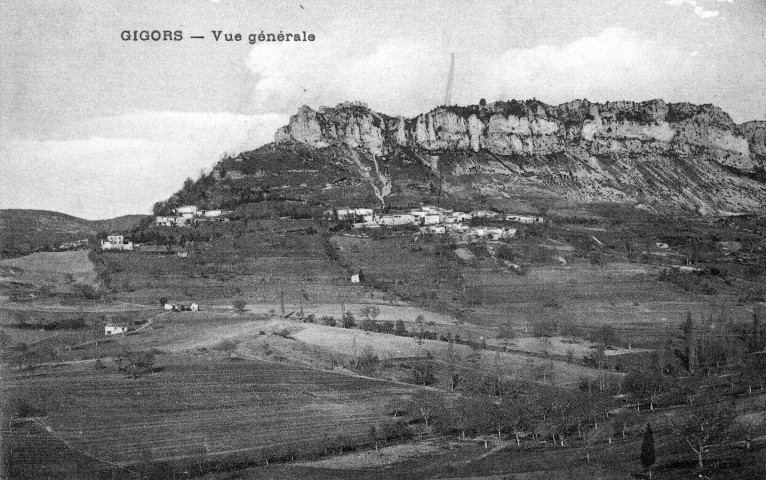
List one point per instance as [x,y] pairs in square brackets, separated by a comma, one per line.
[116,242]
[112,329]
[351,213]
[188,211]
[523,218]
[395,220]
[366,224]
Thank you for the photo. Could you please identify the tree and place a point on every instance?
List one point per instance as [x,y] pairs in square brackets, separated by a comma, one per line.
[399,328]
[647,449]
[690,341]
[348,320]
[427,405]
[387,327]
[369,325]
[239,305]
[452,365]
[136,364]
[645,385]
[624,418]
[374,436]
[163,301]
[708,423]
[367,362]
[607,336]
[518,418]
[370,312]
[422,372]
[753,371]
[757,337]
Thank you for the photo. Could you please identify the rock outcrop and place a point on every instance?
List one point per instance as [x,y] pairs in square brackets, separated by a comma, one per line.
[535,128]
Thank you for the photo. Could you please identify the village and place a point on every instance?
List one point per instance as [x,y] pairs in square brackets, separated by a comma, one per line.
[428,219]
[437,220]
[190,215]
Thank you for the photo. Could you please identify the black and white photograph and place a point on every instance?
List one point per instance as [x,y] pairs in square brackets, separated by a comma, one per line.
[373,240]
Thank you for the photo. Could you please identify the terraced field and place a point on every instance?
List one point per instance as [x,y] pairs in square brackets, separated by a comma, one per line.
[201,405]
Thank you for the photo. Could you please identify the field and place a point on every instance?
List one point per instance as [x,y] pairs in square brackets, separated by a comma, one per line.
[205,406]
[57,268]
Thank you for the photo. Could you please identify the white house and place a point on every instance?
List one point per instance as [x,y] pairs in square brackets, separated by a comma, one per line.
[116,242]
[355,278]
[187,211]
[462,216]
[165,221]
[523,218]
[169,306]
[395,220]
[484,214]
[111,329]
[431,219]
[347,213]
[194,307]
[370,224]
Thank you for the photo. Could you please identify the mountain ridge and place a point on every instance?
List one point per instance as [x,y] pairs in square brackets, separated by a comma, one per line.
[675,156]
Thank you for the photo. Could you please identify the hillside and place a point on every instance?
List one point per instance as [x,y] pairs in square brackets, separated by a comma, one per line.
[24,231]
[528,155]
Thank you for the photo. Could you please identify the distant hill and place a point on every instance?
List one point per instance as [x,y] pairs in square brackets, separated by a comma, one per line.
[26,231]
[509,155]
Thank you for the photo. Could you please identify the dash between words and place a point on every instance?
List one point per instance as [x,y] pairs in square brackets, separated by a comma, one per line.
[218,35]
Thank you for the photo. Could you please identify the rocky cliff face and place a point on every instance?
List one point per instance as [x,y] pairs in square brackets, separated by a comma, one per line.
[534,128]
[674,155]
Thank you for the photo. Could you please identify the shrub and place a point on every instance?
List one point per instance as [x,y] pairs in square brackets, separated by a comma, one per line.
[89,292]
[328,320]
[369,325]
[348,320]
[136,364]
[226,346]
[367,362]
[239,305]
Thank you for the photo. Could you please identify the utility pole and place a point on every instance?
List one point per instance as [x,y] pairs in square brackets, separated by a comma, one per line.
[448,94]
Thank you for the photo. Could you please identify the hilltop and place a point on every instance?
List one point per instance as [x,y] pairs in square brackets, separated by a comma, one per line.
[24,231]
[533,156]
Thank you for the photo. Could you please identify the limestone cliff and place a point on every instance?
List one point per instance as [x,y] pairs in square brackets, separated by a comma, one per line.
[674,155]
[534,128]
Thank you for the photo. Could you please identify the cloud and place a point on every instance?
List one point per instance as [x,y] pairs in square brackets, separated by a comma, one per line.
[408,75]
[616,64]
[699,10]
[123,164]
[334,69]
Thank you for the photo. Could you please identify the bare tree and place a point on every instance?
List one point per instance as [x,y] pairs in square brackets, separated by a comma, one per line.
[708,423]
[427,405]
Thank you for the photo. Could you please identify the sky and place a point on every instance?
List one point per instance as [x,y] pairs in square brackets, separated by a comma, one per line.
[96,126]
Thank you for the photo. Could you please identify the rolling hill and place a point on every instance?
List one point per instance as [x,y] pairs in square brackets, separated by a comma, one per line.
[24,231]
